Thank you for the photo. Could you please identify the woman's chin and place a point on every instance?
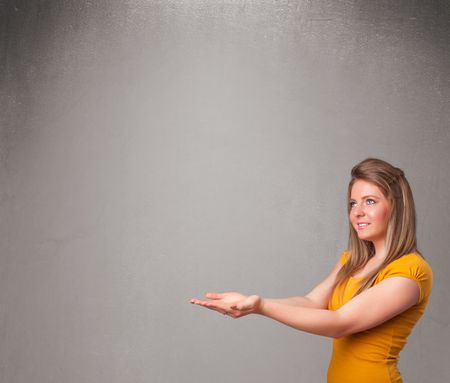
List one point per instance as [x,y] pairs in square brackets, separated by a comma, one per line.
[364,236]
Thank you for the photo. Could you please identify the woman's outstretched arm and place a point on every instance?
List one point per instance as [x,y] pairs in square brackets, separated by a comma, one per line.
[369,309]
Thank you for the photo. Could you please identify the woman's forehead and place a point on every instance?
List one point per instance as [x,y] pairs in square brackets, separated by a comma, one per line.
[362,188]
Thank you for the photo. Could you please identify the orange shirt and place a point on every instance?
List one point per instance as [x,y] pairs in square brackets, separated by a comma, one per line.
[371,356]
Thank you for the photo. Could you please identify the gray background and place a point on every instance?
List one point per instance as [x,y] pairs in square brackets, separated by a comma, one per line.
[152,151]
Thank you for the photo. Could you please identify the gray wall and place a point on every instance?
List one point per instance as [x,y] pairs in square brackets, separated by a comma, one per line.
[152,151]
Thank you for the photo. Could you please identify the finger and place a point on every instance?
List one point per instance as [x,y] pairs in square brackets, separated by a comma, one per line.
[199,302]
[195,301]
[215,306]
[213,296]
[202,302]
[209,304]
[219,309]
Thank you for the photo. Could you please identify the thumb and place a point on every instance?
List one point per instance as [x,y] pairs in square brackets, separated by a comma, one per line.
[213,295]
[240,306]
[246,304]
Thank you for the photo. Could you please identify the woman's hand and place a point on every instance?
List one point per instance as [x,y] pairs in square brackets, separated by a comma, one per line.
[233,304]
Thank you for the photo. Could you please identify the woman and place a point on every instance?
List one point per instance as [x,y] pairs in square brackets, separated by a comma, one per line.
[376,292]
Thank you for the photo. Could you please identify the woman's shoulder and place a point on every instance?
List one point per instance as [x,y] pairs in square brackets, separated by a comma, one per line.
[413,266]
[412,262]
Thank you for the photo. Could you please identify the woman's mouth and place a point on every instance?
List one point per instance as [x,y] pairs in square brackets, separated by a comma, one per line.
[362,226]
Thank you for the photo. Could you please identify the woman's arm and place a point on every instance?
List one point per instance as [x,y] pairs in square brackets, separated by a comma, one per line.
[296,301]
[368,309]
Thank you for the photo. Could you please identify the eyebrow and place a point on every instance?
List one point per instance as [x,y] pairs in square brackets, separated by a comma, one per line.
[365,197]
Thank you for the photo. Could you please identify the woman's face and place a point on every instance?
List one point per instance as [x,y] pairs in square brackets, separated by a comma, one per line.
[369,211]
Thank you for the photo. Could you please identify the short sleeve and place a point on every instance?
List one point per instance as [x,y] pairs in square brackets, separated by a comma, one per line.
[411,266]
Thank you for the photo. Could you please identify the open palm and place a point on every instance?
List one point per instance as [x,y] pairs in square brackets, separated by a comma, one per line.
[233,304]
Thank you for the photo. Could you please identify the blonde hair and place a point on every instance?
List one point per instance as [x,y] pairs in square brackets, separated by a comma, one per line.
[401,231]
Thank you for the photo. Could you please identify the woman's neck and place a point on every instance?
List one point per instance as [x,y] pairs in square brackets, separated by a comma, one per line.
[380,249]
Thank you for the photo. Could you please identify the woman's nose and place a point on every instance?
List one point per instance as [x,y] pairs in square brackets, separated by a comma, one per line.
[358,211]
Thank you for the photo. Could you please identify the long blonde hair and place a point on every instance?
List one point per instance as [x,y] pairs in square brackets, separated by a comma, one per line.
[401,231]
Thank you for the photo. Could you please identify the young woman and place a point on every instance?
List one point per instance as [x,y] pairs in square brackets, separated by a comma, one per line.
[374,295]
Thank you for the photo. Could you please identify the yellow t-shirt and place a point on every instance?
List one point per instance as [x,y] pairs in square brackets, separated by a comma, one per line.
[371,356]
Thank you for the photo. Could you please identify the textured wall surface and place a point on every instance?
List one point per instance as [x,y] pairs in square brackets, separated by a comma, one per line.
[153,150]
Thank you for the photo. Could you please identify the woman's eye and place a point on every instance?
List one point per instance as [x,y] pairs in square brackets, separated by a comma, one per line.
[370,201]
[352,204]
